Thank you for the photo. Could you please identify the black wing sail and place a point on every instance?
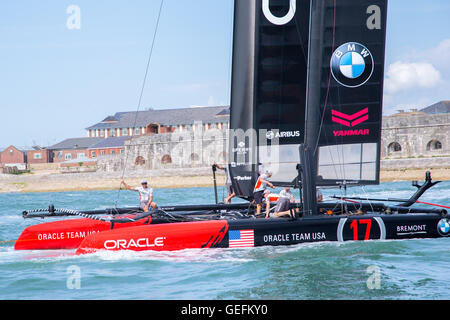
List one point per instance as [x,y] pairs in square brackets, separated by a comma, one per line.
[352,57]
[268,90]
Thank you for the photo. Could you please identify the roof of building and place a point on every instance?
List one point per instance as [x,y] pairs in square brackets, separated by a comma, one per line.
[17,148]
[167,117]
[440,107]
[112,142]
[75,143]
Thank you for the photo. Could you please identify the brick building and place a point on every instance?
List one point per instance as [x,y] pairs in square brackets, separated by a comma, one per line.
[72,149]
[160,121]
[12,156]
[39,155]
[108,146]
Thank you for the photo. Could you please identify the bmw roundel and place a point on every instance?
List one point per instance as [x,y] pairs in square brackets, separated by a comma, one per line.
[444,227]
[352,64]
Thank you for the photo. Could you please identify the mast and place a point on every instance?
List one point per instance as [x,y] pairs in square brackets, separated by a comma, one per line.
[308,154]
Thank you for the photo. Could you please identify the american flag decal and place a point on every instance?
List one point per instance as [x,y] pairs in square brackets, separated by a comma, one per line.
[241,238]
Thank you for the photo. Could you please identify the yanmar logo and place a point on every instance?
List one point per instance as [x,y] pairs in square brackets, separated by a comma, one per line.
[350,120]
[132,243]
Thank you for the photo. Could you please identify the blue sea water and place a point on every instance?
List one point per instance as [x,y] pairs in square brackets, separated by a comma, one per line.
[409,269]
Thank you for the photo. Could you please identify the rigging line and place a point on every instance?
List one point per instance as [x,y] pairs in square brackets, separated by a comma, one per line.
[300,37]
[230,58]
[329,78]
[367,196]
[141,93]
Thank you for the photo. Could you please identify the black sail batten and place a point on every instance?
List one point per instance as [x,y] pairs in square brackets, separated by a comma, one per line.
[270,49]
[351,56]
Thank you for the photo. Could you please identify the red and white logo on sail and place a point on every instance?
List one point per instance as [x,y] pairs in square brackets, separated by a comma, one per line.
[350,120]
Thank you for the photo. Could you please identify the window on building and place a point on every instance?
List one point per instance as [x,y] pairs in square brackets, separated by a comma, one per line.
[113,151]
[166,159]
[434,145]
[140,161]
[37,156]
[68,156]
[60,154]
[394,147]
[125,131]
[81,155]
[102,133]
[137,131]
[93,154]
[113,132]
[122,151]
[102,152]
[194,157]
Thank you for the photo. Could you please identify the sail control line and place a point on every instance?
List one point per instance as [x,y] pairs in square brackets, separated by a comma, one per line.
[141,93]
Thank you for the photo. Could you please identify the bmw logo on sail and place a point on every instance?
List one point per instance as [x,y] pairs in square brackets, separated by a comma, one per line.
[352,64]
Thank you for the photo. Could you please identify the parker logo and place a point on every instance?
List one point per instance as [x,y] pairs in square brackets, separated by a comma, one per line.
[350,120]
[243,178]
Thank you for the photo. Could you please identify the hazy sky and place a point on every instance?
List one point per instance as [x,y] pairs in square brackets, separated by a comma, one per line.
[55,81]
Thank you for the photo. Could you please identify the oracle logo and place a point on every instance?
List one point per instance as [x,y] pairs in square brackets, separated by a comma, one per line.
[279,21]
[132,243]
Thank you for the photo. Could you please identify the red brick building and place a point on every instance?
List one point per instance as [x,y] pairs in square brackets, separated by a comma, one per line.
[12,155]
[114,145]
[72,149]
[39,155]
[161,121]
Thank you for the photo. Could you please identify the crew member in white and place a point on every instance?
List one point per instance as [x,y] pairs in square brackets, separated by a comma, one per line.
[145,194]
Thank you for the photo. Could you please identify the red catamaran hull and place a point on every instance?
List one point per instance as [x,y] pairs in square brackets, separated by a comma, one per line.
[66,234]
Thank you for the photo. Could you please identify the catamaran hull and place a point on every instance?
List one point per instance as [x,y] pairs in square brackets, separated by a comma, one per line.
[65,234]
[266,232]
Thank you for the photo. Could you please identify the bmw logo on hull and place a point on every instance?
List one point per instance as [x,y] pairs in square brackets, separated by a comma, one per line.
[352,64]
[444,227]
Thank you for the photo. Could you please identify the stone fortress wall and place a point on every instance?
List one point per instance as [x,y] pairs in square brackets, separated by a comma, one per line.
[409,140]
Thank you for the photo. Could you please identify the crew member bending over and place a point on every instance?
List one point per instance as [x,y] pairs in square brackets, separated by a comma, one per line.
[282,207]
[260,188]
[145,194]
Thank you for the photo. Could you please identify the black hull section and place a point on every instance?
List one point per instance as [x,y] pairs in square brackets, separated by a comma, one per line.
[280,232]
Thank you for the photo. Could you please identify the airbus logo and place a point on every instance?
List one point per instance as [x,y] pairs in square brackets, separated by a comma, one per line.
[283,134]
[352,65]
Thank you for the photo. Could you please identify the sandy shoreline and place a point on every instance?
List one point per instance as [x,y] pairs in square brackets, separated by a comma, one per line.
[56,182]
